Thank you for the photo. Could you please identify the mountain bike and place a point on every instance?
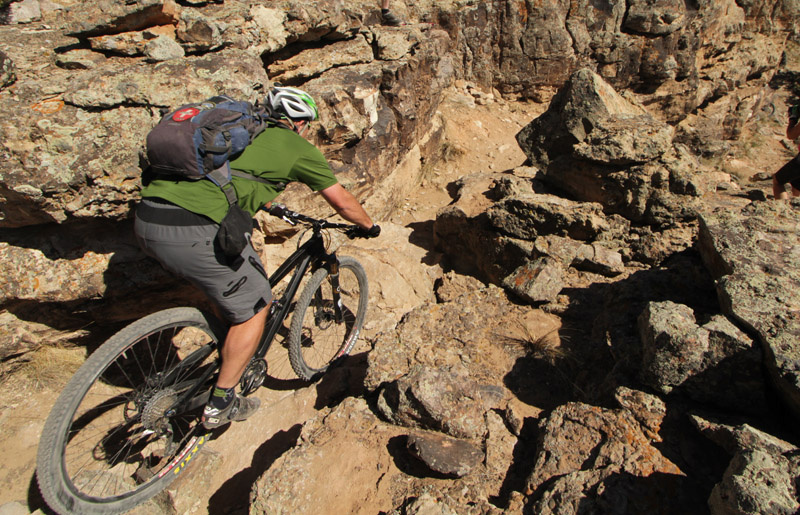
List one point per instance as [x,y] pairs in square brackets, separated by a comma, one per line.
[128,422]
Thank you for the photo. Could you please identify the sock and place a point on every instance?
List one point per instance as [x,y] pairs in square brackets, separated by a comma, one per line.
[384,12]
[222,397]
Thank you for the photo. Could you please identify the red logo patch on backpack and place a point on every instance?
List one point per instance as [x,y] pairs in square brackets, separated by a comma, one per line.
[185,114]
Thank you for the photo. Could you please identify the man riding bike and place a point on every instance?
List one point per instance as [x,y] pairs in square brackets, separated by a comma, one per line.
[177,222]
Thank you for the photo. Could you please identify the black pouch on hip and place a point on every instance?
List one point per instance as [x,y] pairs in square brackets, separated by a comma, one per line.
[234,231]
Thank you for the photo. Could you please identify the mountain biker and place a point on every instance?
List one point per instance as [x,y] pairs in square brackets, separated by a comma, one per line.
[790,172]
[177,221]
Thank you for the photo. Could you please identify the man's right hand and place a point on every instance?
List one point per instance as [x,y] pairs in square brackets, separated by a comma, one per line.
[360,232]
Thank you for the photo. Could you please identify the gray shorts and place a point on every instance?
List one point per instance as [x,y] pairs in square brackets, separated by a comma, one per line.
[183,243]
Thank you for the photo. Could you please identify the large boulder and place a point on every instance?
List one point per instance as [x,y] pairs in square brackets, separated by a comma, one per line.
[714,363]
[762,476]
[591,457]
[752,253]
[524,231]
[599,146]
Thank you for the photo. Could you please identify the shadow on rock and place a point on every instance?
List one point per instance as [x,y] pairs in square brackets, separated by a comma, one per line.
[626,494]
[233,495]
[538,383]
[422,237]
[344,380]
[523,456]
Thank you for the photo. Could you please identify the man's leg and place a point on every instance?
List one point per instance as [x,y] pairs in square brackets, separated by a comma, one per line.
[388,17]
[778,189]
[239,347]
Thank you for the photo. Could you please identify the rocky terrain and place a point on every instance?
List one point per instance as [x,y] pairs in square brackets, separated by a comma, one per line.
[584,299]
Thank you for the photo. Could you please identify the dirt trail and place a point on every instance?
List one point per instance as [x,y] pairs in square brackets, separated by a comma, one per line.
[479,138]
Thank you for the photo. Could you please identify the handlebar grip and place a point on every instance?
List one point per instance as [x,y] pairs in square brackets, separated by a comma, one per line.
[278,210]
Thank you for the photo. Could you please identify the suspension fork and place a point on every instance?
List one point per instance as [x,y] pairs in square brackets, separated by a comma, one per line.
[333,277]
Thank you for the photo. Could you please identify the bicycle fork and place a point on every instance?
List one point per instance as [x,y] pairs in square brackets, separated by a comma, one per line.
[333,277]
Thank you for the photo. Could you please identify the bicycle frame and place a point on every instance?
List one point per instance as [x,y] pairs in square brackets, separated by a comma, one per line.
[310,254]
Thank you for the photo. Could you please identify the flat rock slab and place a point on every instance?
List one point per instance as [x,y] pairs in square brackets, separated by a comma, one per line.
[754,253]
[449,456]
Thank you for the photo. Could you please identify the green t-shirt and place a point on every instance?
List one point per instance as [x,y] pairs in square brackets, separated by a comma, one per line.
[277,154]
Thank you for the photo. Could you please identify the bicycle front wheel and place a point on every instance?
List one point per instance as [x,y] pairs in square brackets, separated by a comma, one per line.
[127,423]
[320,334]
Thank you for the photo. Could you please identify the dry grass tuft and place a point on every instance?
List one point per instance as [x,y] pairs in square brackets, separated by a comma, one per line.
[52,367]
[546,346]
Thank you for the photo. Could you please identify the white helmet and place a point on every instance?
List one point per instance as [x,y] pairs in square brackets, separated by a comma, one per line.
[292,103]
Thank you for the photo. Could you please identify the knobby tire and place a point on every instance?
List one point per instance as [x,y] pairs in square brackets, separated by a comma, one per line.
[110,442]
[316,339]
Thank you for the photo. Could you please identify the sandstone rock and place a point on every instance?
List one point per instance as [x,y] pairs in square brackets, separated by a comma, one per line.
[112,17]
[599,259]
[579,437]
[24,11]
[714,363]
[163,48]
[69,157]
[657,18]
[586,102]
[445,400]
[426,504]
[292,483]
[761,477]
[270,24]
[608,491]
[314,62]
[7,75]
[594,258]
[197,32]
[454,285]
[648,410]
[529,216]
[18,336]
[13,508]
[170,84]
[396,43]
[599,147]
[625,140]
[536,281]
[499,446]
[742,437]
[130,43]
[682,278]
[444,455]
[80,59]
[757,482]
[752,253]
[450,336]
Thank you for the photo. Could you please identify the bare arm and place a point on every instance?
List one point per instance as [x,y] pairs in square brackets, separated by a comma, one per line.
[346,205]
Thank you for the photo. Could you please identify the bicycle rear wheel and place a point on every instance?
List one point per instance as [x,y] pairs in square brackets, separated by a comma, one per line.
[317,336]
[127,423]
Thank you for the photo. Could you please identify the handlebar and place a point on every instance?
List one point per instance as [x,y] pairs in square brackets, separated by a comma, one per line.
[293,217]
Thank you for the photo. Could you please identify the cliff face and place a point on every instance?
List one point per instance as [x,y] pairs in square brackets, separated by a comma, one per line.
[84,81]
[598,229]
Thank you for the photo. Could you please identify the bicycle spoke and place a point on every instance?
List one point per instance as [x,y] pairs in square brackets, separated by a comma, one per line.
[121,432]
[325,326]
